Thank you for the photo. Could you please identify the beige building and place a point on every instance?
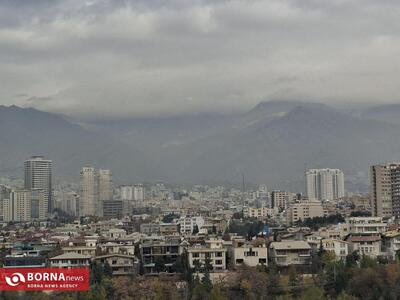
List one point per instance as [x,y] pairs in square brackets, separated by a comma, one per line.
[105,185]
[369,245]
[253,212]
[95,188]
[366,225]
[385,189]
[338,247]
[83,245]
[214,250]
[304,210]
[249,254]
[287,253]
[120,264]
[25,206]
[89,193]
[70,260]
[282,200]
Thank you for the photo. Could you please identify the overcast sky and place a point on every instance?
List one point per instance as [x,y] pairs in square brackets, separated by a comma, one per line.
[122,58]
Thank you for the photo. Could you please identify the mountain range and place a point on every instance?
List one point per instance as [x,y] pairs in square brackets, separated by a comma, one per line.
[273,143]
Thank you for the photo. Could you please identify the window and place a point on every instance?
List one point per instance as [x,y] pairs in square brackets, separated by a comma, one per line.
[218,262]
[195,254]
[239,261]
[262,260]
[251,253]
[218,254]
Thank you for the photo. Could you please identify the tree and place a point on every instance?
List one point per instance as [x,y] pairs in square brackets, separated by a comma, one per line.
[274,280]
[295,281]
[159,264]
[352,259]
[195,229]
[313,293]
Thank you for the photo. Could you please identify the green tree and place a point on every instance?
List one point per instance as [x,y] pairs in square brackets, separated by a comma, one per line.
[295,281]
[313,293]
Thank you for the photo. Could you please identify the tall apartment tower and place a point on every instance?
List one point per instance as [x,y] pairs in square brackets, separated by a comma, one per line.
[138,192]
[89,192]
[324,184]
[95,188]
[38,175]
[25,205]
[105,190]
[385,189]
[105,185]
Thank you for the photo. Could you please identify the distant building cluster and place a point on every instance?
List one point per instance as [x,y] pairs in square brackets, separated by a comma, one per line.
[155,228]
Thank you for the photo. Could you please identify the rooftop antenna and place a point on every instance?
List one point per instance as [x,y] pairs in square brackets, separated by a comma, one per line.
[243,189]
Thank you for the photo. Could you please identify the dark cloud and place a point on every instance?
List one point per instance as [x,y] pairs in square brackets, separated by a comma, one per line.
[122,58]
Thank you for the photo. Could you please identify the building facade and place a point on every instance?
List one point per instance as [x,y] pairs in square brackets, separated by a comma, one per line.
[385,189]
[325,184]
[38,175]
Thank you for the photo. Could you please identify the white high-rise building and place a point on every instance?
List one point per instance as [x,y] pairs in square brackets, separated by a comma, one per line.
[126,192]
[38,175]
[138,192]
[324,184]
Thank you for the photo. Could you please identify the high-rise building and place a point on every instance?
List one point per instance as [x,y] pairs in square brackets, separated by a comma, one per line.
[105,185]
[105,189]
[281,199]
[385,189]
[25,205]
[38,175]
[324,184]
[89,192]
[138,192]
[95,188]
[126,192]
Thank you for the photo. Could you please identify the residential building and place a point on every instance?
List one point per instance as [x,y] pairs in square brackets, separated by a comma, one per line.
[70,260]
[126,192]
[38,175]
[304,210]
[249,254]
[339,247]
[259,213]
[385,189]
[112,209]
[391,243]
[213,251]
[120,264]
[324,184]
[189,223]
[159,254]
[24,260]
[83,245]
[366,225]
[287,253]
[369,245]
[25,206]
[89,192]
[282,200]
[139,192]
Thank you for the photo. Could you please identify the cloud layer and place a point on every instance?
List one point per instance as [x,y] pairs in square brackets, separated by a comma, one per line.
[130,58]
